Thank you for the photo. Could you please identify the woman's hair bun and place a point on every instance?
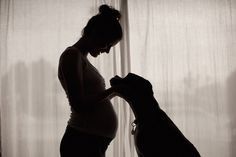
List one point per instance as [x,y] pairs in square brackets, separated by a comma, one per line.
[109,11]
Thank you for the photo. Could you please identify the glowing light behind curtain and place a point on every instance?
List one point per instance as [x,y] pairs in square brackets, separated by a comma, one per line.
[33,105]
[186,48]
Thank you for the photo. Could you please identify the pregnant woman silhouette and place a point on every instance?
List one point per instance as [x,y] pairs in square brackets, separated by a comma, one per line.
[93,122]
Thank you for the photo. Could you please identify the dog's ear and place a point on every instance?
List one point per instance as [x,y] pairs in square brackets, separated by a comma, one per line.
[134,79]
[130,78]
[115,80]
[138,81]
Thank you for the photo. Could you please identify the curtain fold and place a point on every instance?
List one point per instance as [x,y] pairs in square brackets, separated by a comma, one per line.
[186,49]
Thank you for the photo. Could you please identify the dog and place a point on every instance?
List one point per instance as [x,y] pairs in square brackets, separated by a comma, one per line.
[155,134]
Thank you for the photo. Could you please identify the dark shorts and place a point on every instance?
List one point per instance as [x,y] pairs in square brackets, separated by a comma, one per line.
[79,144]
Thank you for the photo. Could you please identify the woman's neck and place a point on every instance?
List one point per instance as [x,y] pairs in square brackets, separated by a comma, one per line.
[81,45]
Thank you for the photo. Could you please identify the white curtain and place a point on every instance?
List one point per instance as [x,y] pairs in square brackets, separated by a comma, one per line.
[185,48]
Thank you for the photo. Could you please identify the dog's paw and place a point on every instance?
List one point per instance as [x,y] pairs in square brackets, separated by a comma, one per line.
[115,80]
[123,91]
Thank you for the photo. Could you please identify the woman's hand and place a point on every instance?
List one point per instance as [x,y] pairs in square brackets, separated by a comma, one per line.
[117,85]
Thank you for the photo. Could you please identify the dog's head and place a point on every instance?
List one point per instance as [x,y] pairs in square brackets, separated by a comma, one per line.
[133,88]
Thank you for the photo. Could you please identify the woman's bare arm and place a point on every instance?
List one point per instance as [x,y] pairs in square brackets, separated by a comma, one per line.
[72,66]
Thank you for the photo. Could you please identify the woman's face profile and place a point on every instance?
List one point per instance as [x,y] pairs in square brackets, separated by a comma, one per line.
[102,47]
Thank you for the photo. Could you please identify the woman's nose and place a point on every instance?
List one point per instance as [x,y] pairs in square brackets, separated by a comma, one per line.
[108,49]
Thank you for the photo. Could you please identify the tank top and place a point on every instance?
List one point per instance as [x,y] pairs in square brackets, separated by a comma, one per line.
[101,120]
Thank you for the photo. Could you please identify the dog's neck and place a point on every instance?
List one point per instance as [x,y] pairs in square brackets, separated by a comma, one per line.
[145,110]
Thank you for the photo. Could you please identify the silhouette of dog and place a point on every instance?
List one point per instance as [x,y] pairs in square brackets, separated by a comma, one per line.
[155,134]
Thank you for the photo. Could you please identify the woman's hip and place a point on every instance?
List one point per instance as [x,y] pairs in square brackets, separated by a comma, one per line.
[77,143]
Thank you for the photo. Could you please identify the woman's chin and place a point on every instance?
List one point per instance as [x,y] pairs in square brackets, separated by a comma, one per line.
[95,54]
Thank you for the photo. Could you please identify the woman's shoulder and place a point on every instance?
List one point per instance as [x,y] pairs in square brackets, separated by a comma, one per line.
[71,51]
[71,55]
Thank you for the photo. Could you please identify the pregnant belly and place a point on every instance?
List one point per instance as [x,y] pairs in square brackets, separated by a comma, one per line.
[102,120]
